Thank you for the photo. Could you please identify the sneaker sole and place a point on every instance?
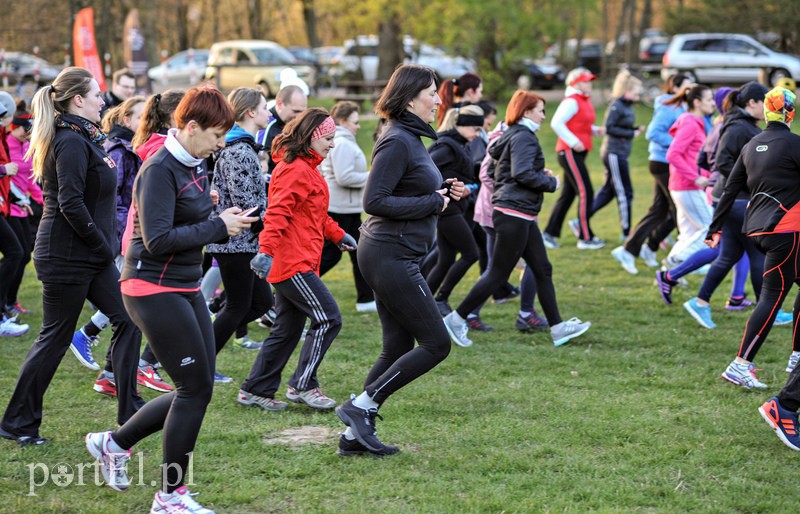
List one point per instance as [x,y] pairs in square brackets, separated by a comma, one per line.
[84,362]
[254,404]
[697,317]
[455,339]
[297,399]
[776,429]
[736,381]
[153,387]
[349,422]
[98,456]
[565,340]
[632,270]
[104,392]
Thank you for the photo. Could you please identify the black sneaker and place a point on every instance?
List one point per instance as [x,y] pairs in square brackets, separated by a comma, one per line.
[268,319]
[444,307]
[513,293]
[531,323]
[363,424]
[475,323]
[348,448]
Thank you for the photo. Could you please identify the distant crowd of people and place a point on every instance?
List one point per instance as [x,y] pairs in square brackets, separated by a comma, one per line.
[227,211]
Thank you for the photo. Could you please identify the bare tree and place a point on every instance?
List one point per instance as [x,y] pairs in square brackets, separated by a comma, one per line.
[310,18]
[390,44]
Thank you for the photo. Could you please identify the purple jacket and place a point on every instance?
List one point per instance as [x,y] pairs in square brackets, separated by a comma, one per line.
[118,146]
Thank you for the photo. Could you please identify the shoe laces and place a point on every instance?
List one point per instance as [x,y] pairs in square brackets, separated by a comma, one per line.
[316,394]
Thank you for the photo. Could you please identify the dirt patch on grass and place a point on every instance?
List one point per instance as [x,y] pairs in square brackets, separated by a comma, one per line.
[300,436]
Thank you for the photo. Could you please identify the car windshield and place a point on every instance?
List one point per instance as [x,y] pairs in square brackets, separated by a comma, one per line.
[276,55]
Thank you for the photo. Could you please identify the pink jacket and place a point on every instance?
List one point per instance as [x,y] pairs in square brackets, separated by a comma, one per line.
[689,133]
[483,203]
[23,179]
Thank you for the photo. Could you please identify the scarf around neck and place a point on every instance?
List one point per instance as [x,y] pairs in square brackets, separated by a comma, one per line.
[82,126]
[179,152]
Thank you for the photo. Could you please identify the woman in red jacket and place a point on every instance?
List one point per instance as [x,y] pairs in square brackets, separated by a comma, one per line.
[296,226]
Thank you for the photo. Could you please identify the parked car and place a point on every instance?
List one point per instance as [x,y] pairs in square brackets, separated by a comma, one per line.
[540,75]
[726,59]
[590,54]
[652,50]
[22,68]
[329,71]
[361,54]
[250,63]
[184,69]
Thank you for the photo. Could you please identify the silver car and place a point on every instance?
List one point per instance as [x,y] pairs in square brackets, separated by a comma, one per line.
[183,70]
[726,59]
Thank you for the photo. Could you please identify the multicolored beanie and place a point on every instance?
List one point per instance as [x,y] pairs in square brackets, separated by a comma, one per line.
[779,105]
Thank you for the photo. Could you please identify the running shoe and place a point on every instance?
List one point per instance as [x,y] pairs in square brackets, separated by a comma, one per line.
[362,423]
[219,378]
[793,359]
[783,318]
[268,319]
[626,259]
[475,323]
[648,256]
[253,400]
[513,292]
[458,330]
[782,421]
[444,307]
[738,304]
[10,328]
[149,377]
[591,244]
[106,385]
[247,343]
[16,310]
[701,313]
[112,465]
[178,501]
[665,286]
[367,307]
[743,375]
[314,398]
[570,329]
[81,346]
[351,448]
[550,242]
[531,323]
[575,227]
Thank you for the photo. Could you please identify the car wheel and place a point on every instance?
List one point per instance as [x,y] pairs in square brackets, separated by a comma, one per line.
[265,88]
[777,74]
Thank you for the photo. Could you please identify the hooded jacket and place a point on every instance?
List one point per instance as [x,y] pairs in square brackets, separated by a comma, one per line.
[239,182]
[118,146]
[400,196]
[620,128]
[345,171]
[151,146]
[449,154]
[296,223]
[23,179]
[519,179]
[769,165]
[689,134]
[737,130]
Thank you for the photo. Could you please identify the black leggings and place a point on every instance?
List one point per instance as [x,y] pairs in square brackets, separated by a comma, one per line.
[183,342]
[246,297]
[61,308]
[13,256]
[331,254]
[576,183]
[780,272]
[407,312]
[660,218]
[515,238]
[21,228]
[453,236]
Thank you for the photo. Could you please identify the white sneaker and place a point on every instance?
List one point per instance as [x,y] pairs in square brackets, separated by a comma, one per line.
[648,256]
[10,328]
[594,243]
[458,330]
[314,398]
[567,330]
[550,242]
[793,359]
[626,259]
[743,375]
[178,501]
[367,307]
[112,465]
[575,227]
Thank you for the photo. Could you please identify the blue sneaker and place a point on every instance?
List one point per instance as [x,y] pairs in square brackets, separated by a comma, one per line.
[81,346]
[701,314]
[783,318]
[219,378]
[782,421]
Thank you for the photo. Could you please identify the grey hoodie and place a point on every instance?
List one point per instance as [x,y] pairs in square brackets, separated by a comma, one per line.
[345,171]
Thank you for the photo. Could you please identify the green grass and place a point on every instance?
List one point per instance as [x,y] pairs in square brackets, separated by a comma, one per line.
[630,417]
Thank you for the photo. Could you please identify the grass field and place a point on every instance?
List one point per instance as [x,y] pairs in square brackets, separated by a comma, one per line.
[633,416]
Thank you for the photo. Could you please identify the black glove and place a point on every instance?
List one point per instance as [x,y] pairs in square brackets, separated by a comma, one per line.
[261,264]
[347,244]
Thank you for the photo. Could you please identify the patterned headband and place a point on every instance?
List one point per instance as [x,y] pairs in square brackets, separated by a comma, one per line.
[324,129]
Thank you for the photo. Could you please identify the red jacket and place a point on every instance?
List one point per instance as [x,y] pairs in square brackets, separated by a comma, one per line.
[296,223]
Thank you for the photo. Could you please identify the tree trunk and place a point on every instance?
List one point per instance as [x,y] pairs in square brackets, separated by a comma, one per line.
[487,46]
[310,18]
[390,44]
[253,17]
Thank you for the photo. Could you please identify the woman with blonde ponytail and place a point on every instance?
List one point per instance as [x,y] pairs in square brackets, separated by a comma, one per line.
[74,253]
